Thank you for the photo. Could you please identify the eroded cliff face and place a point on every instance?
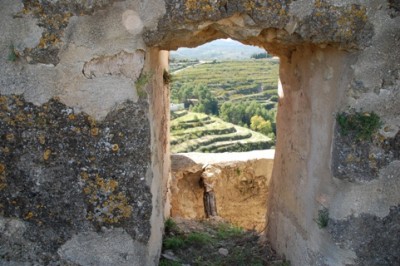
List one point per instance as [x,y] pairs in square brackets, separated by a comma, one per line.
[76,74]
[238,182]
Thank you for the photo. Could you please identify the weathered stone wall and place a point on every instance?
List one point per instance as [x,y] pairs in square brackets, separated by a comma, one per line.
[80,170]
[84,120]
[336,57]
[240,185]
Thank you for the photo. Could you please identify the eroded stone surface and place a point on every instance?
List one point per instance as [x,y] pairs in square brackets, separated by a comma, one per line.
[238,183]
[375,240]
[361,160]
[248,21]
[63,173]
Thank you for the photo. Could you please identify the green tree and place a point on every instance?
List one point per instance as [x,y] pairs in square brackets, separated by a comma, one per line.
[261,125]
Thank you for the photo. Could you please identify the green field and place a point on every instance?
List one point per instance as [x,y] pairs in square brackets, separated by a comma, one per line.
[231,80]
[197,132]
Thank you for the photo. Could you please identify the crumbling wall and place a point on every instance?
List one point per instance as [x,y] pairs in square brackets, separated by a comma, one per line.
[338,59]
[239,183]
[79,179]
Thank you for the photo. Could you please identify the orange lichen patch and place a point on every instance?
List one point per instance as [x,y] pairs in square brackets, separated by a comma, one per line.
[109,205]
[3,183]
[10,137]
[77,130]
[71,117]
[91,121]
[3,99]
[29,216]
[85,175]
[94,131]
[348,20]
[46,154]
[115,147]
[42,139]
[2,168]
[20,117]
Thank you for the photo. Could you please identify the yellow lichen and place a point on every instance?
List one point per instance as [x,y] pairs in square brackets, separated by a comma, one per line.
[10,137]
[46,154]
[115,147]
[71,117]
[91,121]
[2,168]
[94,131]
[109,205]
[84,175]
[29,216]
[3,99]
[42,139]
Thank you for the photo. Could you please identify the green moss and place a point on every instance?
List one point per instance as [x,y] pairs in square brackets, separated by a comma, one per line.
[363,125]
[323,218]
[12,55]
[167,77]
[141,83]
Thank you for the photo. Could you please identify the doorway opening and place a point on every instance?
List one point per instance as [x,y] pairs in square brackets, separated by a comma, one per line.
[223,102]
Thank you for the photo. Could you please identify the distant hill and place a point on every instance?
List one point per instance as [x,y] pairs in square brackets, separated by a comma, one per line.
[230,80]
[222,49]
[197,132]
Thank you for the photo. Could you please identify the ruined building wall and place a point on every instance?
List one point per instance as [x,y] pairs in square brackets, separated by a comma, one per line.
[82,134]
[84,118]
[239,183]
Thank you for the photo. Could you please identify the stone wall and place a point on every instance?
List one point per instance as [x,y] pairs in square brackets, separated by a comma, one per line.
[81,140]
[240,185]
[84,156]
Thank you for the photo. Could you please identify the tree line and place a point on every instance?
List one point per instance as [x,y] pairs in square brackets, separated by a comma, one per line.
[250,114]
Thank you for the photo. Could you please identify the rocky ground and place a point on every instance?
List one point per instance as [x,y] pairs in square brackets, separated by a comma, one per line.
[214,242]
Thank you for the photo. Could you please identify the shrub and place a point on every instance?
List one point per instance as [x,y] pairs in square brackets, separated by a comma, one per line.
[174,242]
[323,218]
[363,125]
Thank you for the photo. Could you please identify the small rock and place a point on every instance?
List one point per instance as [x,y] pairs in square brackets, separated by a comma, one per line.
[223,251]
[169,255]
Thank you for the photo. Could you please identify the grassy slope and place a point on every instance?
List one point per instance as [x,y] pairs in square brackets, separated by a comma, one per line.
[201,133]
[230,80]
[189,242]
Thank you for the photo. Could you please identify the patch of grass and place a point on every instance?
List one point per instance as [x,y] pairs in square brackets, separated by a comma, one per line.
[199,238]
[197,243]
[323,218]
[12,55]
[174,242]
[170,225]
[363,125]
[227,231]
[282,263]
[164,262]
[141,83]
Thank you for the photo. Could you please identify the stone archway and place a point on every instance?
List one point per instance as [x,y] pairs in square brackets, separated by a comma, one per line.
[84,120]
[317,43]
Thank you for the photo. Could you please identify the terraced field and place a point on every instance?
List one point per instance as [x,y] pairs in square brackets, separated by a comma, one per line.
[232,80]
[198,132]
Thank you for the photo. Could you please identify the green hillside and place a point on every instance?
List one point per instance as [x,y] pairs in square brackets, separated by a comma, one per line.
[198,132]
[230,80]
